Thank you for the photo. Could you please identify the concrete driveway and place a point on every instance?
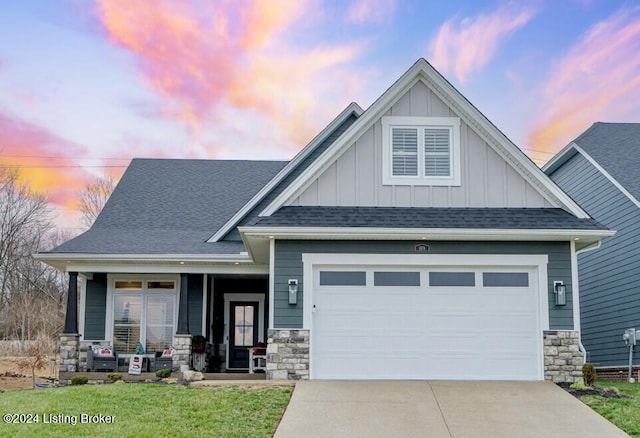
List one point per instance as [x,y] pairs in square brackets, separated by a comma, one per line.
[436,409]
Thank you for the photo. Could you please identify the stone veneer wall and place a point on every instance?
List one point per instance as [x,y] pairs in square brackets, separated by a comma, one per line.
[182,351]
[70,353]
[563,359]
[288,354]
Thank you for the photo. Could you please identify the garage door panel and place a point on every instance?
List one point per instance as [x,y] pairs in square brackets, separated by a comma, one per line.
[425,332]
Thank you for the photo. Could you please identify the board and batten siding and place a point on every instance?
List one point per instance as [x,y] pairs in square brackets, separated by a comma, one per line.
[95,307]
[610,276]
[355,178]
[288,264]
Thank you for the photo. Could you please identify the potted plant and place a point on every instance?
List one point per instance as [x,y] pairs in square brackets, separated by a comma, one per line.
[198,344]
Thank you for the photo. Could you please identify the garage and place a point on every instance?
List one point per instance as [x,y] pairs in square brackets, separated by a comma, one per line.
[397,320]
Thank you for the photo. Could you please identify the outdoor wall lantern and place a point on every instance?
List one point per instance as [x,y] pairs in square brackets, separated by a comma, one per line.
[293,291]
[559,290]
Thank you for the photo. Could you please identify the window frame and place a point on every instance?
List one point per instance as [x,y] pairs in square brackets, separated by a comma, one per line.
[420,123]
[144,293]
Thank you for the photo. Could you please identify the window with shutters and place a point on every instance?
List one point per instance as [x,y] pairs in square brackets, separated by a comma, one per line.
[421,151]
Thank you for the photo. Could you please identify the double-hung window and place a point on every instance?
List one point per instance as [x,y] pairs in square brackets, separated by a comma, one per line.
[421,151]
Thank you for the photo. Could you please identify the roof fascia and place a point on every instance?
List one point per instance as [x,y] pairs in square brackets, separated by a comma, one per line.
[155,263]
[358,233]
[560,158]
[352,109]
[422,70]
[563,156]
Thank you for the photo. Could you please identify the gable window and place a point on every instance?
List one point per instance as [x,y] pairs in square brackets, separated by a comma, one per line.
[421,151]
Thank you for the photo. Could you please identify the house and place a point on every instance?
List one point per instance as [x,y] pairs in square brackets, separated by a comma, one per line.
[600,170]
[412,240]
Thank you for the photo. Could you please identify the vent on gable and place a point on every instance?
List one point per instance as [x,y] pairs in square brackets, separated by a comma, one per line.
[422,247]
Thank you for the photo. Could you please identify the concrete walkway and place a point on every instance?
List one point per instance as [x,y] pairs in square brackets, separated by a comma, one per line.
[436,409]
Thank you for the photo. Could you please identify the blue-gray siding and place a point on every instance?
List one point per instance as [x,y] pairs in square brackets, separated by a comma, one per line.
[95,306]
[610,276]
[288,264]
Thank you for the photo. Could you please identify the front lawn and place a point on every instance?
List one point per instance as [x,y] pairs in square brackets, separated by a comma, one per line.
[144,410]
[623,412]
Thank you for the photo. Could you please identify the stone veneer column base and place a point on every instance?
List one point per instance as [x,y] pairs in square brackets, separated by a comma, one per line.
[182,351]
[288,354]
[70,353]
[563,359]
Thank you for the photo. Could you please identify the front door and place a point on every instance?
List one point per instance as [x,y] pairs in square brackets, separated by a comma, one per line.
[243,333]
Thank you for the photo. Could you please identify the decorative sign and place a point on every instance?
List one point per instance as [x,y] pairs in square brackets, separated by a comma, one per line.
[135,364]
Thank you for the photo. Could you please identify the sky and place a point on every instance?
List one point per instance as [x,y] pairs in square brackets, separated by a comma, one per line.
[86,85]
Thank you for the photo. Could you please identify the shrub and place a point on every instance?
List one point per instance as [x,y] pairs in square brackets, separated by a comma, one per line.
[588,374]
[115,377]
[79,380]
[578,385]
[163,373]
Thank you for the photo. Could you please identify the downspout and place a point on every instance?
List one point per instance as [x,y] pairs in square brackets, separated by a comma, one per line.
[576,293]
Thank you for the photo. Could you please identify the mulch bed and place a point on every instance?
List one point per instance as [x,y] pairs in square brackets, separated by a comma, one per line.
[610,392]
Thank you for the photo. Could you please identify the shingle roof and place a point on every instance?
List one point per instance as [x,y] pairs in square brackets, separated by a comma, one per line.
[615,147]
[168,206]
[414,217]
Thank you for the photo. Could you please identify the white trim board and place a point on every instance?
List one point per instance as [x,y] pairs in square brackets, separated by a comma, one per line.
[569,151]
[423,71]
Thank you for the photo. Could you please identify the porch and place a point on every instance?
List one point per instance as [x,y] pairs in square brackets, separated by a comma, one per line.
[210,321]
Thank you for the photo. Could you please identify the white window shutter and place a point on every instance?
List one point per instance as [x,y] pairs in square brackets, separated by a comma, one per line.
[437,152]
[404,151]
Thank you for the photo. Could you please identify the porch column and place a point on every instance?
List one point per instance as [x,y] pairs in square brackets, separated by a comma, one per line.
[183,307]
[71,315]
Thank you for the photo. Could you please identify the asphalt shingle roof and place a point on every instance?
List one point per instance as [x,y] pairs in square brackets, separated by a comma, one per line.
[414,217]
[168,206]
[616,147]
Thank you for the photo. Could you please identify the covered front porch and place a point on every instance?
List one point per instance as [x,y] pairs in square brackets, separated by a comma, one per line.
[209,321]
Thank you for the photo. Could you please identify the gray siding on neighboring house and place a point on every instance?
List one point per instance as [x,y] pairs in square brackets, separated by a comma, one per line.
[194,282]
[288,264]
[610,276]
[95,308]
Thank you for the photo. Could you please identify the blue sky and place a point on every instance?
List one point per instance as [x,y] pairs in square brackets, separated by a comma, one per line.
[87,85]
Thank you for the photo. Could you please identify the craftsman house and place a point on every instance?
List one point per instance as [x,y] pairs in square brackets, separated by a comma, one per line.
[412,240]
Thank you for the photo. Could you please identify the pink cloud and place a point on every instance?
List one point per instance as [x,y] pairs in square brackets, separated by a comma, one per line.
[370,11]
[203,56]
[45,161]
[465,45]
[597,80]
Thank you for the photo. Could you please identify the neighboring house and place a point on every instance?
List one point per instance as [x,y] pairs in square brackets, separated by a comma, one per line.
[600,170]
[412,240]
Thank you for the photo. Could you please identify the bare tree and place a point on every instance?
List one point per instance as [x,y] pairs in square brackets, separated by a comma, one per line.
[94,197]
[25,218]
[31,293]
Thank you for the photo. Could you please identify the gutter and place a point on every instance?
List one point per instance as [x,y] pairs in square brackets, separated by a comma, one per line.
[588,248]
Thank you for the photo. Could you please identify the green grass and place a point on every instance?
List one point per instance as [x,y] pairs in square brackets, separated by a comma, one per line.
[623,412]
[149,410]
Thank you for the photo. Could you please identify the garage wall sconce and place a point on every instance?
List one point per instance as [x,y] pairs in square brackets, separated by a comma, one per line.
[293,290]
[559,290]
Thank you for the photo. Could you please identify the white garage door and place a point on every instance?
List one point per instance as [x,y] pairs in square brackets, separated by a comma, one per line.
[386,322]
